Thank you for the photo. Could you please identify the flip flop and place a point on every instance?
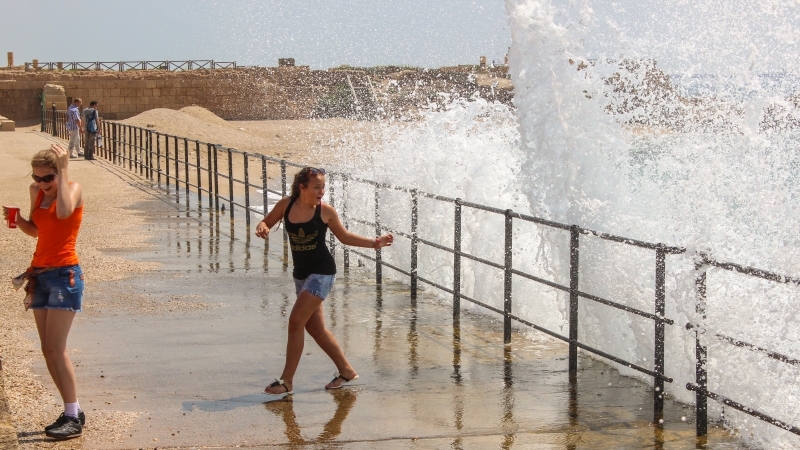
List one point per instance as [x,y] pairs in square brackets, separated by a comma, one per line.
[273,397]
[347,381]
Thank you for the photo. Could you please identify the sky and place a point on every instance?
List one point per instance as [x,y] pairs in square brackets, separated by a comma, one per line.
[319,33]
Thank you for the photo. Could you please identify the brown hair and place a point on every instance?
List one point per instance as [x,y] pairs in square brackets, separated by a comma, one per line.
[44,158]
[303,177]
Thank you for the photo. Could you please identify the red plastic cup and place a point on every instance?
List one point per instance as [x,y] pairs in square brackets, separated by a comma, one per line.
[13,212]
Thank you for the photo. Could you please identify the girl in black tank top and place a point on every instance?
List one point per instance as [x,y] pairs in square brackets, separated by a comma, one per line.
[310,255]
[307,219]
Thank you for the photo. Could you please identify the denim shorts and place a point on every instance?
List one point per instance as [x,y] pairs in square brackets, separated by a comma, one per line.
[61,288]
[318,285]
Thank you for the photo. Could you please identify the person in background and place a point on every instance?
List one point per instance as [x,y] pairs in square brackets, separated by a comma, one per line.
[92,120]
[75,128]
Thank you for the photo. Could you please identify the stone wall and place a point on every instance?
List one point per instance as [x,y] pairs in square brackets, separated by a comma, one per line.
[285,93]
[233,94]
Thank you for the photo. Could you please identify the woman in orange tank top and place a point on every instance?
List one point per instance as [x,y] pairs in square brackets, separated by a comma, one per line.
[55,278]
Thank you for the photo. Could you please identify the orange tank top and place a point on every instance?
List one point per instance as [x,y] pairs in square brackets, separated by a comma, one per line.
[55,246]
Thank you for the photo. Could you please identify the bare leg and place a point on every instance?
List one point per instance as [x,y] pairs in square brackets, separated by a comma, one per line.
[54,345]
[41,326]
[327,342]
[303,308]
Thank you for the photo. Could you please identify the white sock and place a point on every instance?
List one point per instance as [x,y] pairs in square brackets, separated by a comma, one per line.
[71,409]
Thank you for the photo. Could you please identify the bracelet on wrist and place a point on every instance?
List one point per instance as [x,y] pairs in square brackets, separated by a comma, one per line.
[377,243]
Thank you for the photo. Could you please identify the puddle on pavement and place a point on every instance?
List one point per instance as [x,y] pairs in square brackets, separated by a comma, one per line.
[193,345]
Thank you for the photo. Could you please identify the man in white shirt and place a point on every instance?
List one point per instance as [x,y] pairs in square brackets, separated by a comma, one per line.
[75,128]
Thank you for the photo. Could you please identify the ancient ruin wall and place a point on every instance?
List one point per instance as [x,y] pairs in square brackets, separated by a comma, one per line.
[233,94]
[285,93]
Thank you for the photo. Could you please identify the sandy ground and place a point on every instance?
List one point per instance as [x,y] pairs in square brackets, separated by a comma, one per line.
[108,224]
[304,141]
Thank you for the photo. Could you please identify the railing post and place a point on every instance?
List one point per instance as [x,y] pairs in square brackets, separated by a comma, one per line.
[230,180]
[210,179]
[55,133]
[216,178]
[507,278]
[332,197]
[574,243]
[264,183]
[414,243]
[378,259]
[199,176]
[141,152]
[658,357]
[701,353]
[457,260]
[346,250]
[186,167]
[166,159]
[158,158]
[285,236]
[283,178]
[136,149]
[177,168]
[246,190]
[114,141]
[131,143]
[148,160]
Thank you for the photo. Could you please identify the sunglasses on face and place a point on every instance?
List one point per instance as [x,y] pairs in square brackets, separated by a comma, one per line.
[45,179]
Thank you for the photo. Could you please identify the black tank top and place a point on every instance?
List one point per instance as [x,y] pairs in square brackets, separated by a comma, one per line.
[307,241]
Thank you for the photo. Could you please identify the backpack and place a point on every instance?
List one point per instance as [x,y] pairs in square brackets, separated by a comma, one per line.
[92,125]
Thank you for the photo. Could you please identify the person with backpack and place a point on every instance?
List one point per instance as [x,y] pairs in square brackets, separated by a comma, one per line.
[92,120]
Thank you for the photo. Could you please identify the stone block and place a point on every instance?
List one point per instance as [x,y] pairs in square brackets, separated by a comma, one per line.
[7,125]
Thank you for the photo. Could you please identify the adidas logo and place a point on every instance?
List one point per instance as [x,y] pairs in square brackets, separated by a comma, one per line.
[300,238]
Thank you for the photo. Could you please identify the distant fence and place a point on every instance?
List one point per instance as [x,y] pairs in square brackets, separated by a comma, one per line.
[122,66]
[178,161]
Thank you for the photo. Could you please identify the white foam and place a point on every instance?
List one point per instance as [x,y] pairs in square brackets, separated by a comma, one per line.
[704,173]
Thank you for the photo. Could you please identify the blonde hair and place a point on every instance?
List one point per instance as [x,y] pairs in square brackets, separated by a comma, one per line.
[44,158]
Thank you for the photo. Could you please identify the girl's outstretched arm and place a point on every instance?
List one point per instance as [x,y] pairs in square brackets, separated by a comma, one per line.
[331,218]
[274,216]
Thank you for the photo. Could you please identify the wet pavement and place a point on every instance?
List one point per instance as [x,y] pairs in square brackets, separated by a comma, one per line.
[192,346]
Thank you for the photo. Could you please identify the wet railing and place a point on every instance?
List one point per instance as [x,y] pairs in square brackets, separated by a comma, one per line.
[122,66]
[182,163]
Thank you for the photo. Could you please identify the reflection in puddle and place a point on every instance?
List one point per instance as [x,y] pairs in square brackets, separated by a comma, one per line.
[345,399]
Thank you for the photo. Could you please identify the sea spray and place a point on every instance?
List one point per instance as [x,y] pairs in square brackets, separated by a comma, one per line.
[610,140]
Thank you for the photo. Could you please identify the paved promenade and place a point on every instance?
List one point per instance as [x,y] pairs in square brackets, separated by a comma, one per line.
[183,352]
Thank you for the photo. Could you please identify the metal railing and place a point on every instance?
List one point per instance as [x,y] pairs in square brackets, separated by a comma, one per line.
[122,66]
[157,156]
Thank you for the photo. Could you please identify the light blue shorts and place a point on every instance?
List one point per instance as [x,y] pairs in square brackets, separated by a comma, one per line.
[317,285]
[61,288]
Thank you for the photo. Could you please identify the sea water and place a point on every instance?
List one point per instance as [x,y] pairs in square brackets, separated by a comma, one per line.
[672,123]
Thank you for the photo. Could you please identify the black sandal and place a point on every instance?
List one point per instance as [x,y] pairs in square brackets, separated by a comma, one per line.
[275,383]
[347,381]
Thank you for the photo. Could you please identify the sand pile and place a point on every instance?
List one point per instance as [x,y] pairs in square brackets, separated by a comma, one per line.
[303,141]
